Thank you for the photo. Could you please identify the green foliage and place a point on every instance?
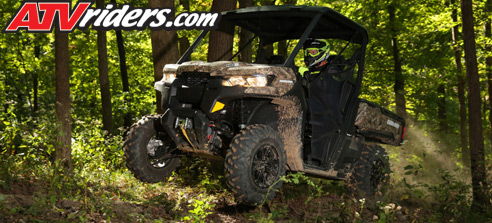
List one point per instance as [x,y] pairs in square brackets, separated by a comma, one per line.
[100,183]
[201,174]
[314,189]
[201,209]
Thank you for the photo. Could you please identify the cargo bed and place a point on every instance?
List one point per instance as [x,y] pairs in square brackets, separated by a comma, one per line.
[378,124]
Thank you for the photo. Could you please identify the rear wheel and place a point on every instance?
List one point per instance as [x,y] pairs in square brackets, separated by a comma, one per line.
[371,172]
[150,155]
[255,163]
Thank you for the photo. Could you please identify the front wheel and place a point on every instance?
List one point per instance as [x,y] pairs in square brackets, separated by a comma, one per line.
[150,155]
[371,172]
[255,163]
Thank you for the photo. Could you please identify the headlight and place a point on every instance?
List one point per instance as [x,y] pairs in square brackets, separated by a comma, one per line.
[169,73]
[168,78]
[246,81]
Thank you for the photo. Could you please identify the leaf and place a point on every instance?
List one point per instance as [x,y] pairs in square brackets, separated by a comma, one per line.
[295,180]
[404,197]
[3,197]
[409,167]
[72,215]
[53,200]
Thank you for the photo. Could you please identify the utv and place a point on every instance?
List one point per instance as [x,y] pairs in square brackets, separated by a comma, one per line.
[263,118]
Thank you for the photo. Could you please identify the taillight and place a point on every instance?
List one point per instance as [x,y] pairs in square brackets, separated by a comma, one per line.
[403,135]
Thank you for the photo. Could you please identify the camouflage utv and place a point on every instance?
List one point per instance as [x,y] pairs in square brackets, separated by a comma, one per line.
[263,118]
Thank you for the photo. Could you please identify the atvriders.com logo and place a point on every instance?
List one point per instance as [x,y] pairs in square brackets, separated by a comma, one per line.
[43,16]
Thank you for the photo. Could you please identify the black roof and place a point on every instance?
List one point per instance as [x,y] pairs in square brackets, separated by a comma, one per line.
[275,23]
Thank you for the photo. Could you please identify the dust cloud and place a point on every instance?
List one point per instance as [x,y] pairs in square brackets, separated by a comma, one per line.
[430,156]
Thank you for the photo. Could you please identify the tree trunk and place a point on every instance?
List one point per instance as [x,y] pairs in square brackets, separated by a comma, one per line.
[282,48]
[185,4]
[184,42]
[127,116]
[399,87]
[164,47]
[488,60]
[479,174]
[35,82]
[63,151]
[107,110]
[282,45]
[221,41]
[441,108]
[268,51]
[465,154]
[246,55]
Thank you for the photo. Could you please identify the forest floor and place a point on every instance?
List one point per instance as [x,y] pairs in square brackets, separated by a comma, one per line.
[30,201]
[39,200]
[427,185]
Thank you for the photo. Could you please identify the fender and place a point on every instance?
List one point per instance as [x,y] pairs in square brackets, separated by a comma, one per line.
[283,114]
[265,113]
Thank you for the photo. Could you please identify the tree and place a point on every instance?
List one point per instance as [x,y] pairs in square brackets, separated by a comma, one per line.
[35,82]
[479,174]
[268,48]
[246,55]
[184,42]
[221,40]
[127,117]
[107,111]
[488,60]
[461,86]
[399,87]
[282,45]
[164,47]
[441,108]
[63,152]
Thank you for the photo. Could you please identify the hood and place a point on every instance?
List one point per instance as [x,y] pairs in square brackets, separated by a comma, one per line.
[231,68]
[284,80]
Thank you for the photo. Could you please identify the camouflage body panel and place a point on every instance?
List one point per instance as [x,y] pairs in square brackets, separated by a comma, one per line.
[284,80]
[375,125]
[290,128]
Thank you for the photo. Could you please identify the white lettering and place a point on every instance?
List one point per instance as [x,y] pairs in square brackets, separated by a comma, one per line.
[161,17]
[88,16]
[207,19]
[114,18]
[147,14]
[191,19]
[177,21]
[104,13]
[133,14]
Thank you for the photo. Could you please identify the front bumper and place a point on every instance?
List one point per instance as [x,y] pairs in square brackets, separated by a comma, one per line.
[199,92]
[201,112]
[187,128]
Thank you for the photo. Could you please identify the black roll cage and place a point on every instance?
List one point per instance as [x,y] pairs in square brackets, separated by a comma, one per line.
[321,22]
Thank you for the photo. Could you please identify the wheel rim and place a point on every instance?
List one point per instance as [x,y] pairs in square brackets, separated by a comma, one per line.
[378,173]
[158,153]
[265,166]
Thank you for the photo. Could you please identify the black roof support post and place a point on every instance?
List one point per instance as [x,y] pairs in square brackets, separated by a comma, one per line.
[290,61]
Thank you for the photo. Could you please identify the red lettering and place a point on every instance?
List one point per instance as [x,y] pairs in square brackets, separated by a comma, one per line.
[66,21]
[48,17]
[31,11]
